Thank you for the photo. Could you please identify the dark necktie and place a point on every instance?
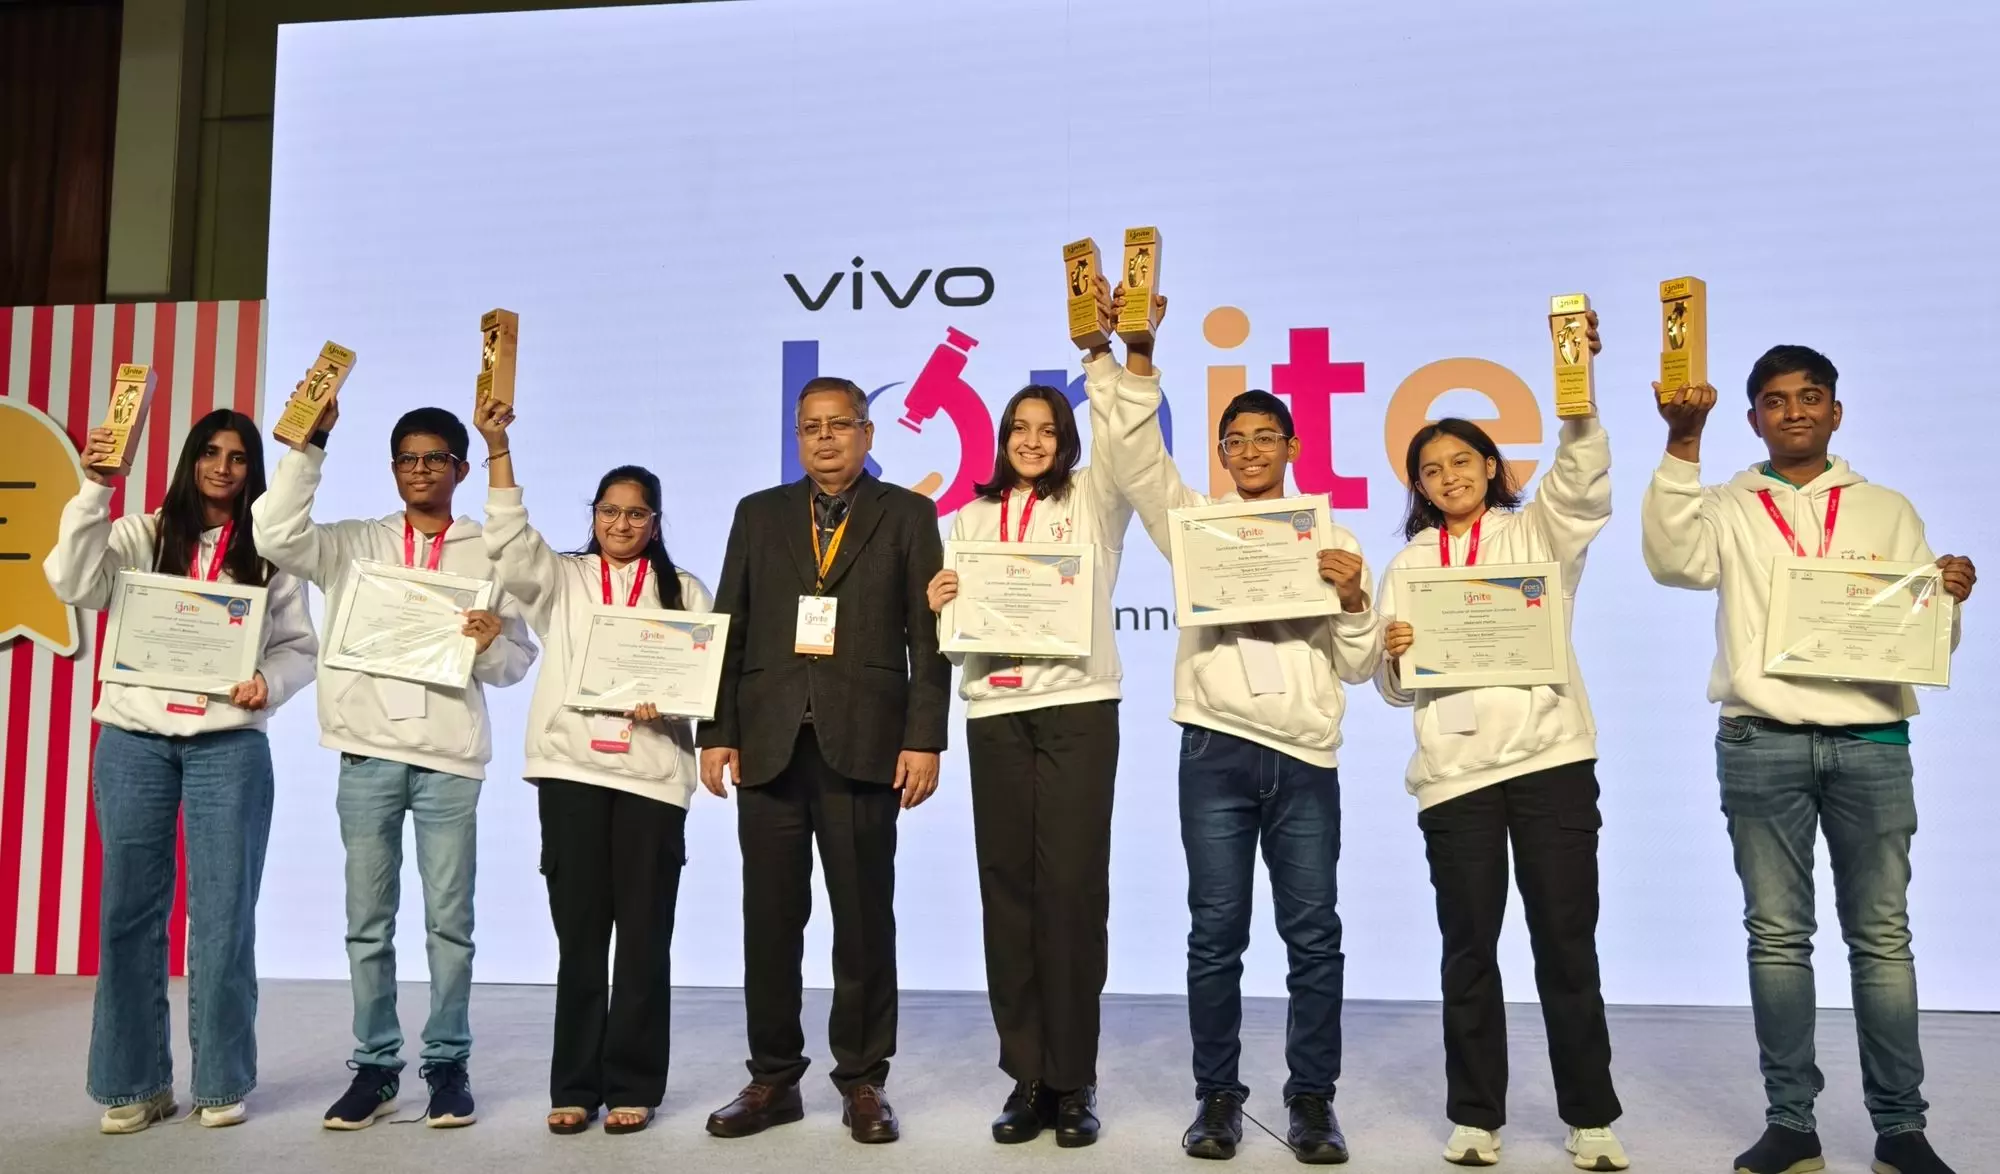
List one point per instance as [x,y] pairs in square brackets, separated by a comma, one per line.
[829,510]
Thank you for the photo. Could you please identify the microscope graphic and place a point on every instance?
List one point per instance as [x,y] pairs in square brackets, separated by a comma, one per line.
[941,387]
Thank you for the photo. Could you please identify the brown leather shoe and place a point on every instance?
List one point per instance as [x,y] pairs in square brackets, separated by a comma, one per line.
[868,1116]
[757,1108]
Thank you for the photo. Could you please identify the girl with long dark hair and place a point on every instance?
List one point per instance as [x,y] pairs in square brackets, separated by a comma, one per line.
[1509,765]
[164,756]
[613,790]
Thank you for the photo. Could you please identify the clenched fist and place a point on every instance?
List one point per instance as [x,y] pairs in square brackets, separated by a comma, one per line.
[1342,568]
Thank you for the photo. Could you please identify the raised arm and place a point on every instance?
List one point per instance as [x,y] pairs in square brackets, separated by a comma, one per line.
[1681,535]
[90,550]
[282,518]
[1573,501]
[527,569]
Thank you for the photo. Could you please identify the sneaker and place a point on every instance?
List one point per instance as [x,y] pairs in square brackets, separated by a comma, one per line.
[1907,1153]
[1781,1151]
[135,1117]
[221,1116]
[1472,1147]
[1596,1149]
[1217,1128]
[451,1095]
[371,1094]
[1315,1135]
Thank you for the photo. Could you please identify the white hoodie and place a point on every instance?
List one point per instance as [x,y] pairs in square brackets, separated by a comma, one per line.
[1722,537]
[1091,512]
[452,735]
[83,569]
[558,591]
[1517,729]
[1211,685]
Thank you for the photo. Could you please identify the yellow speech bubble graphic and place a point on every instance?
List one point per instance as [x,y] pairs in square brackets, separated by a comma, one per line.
[39,473]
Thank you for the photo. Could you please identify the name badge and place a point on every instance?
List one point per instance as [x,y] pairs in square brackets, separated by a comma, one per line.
[1262,669]
[814,636]
[191,704]
[1007,678]
[1455,712]
[402,701]
[610,733]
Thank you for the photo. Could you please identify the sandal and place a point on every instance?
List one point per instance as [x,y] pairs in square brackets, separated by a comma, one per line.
[570,1119]
[645,1118]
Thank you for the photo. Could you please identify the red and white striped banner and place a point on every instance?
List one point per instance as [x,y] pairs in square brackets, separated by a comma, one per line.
[60,360]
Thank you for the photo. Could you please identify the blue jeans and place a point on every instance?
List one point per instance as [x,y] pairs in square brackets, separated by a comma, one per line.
[374,793]
[1779,784]
[143,785]
[1234,794]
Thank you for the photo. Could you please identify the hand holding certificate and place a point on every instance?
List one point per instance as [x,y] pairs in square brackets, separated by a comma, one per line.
[1243,561]
[167,632]
[671,660]
[1483,625]
[1020,598]
[1849,620]
[408,623]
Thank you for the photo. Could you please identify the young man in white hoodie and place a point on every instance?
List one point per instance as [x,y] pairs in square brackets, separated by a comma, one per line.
[403,747]
[1258,765]
[1798,756]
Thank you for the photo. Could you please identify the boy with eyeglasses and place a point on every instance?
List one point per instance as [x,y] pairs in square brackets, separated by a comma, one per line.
[404,747]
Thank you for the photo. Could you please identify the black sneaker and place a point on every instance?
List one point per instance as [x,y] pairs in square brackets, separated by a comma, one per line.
[1781,1151]
[451,1095]
[371,1094]
[1315,1135]
[1217,1128]
[1907,1153]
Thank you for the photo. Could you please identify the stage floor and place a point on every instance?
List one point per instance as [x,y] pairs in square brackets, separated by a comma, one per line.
[1687,1076]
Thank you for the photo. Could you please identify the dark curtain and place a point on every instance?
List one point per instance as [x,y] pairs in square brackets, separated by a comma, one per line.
[58,109]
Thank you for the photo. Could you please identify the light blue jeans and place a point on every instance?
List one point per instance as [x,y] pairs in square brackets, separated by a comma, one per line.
[1781,784]
[143,785]
[374,793]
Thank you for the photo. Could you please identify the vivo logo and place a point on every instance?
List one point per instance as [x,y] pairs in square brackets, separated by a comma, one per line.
[951,286]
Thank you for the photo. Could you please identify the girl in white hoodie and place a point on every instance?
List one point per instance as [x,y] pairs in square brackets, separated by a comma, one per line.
[613,790]
[1509,764]
[164,756]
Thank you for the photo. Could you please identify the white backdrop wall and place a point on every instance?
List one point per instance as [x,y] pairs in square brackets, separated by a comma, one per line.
[1375,187]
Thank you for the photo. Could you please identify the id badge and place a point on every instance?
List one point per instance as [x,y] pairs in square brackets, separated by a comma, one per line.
[814,636]
[191,704]
[1455,712]
[610,733]
[1262,669]
[402,701]
[1007,678]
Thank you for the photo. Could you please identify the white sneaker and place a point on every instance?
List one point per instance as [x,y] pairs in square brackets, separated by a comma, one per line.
[222,1116]
[1596,1149]
[136,1116]
[1472,1147]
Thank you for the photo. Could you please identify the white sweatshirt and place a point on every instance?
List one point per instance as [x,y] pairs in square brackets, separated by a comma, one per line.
[1721,537]
[1517,729]
[558,591]
[83,569]
[452,735]
[1211,685]
[1092,512]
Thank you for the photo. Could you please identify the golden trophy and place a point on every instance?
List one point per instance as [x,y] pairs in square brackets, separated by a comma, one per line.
[1081,267]
[500,331]
[1569,333]
[131,403]
[1138,321]
[310,401]
[1683,334]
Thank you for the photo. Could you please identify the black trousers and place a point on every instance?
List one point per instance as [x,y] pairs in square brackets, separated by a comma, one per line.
[854,824]
[1041,821]
[1552,818]
[613,861]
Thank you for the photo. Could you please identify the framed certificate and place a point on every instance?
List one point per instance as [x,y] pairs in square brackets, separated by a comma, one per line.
[628,655]
[1021,598]
[1244,561]
[1851,620]
[1502,624]
[407,623]
[188,635]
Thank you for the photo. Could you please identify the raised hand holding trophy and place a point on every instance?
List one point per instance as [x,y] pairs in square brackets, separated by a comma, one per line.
[131,402]
[1569,334]
[1081,266]
[500,331]
[309,402]
[1140,317]
[1683,335]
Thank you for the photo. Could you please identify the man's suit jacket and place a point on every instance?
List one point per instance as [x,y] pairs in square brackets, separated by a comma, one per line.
[885,688]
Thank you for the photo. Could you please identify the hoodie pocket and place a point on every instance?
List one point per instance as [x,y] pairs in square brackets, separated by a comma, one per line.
[1306,713]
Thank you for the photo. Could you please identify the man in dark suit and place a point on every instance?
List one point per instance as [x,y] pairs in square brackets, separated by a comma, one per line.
[830,718]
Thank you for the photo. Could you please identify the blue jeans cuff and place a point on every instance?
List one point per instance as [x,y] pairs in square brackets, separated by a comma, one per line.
[1795,1124]
[115,1102]
[1900,1127]
[218,1102]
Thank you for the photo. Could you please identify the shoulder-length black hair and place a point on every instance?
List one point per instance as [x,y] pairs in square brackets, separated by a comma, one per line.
[666,577]
[1069,447]
[1501,492]
[177,533]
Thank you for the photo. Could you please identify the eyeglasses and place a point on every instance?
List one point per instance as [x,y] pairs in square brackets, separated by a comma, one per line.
[609,514]
[840,426]
[436,460]
[1236,446]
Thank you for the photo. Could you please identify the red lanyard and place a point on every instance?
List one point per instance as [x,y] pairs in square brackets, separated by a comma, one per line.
[410,547]
[638,581]
[1471,547]
[1784,527]
[221,551]
[1027,511]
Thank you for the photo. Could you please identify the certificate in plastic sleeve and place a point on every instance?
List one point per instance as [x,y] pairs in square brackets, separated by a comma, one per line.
[672,659]
[188,635]
[1499,624]
[1853,620]
[1243,561]
[407,623]
[1021,598]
